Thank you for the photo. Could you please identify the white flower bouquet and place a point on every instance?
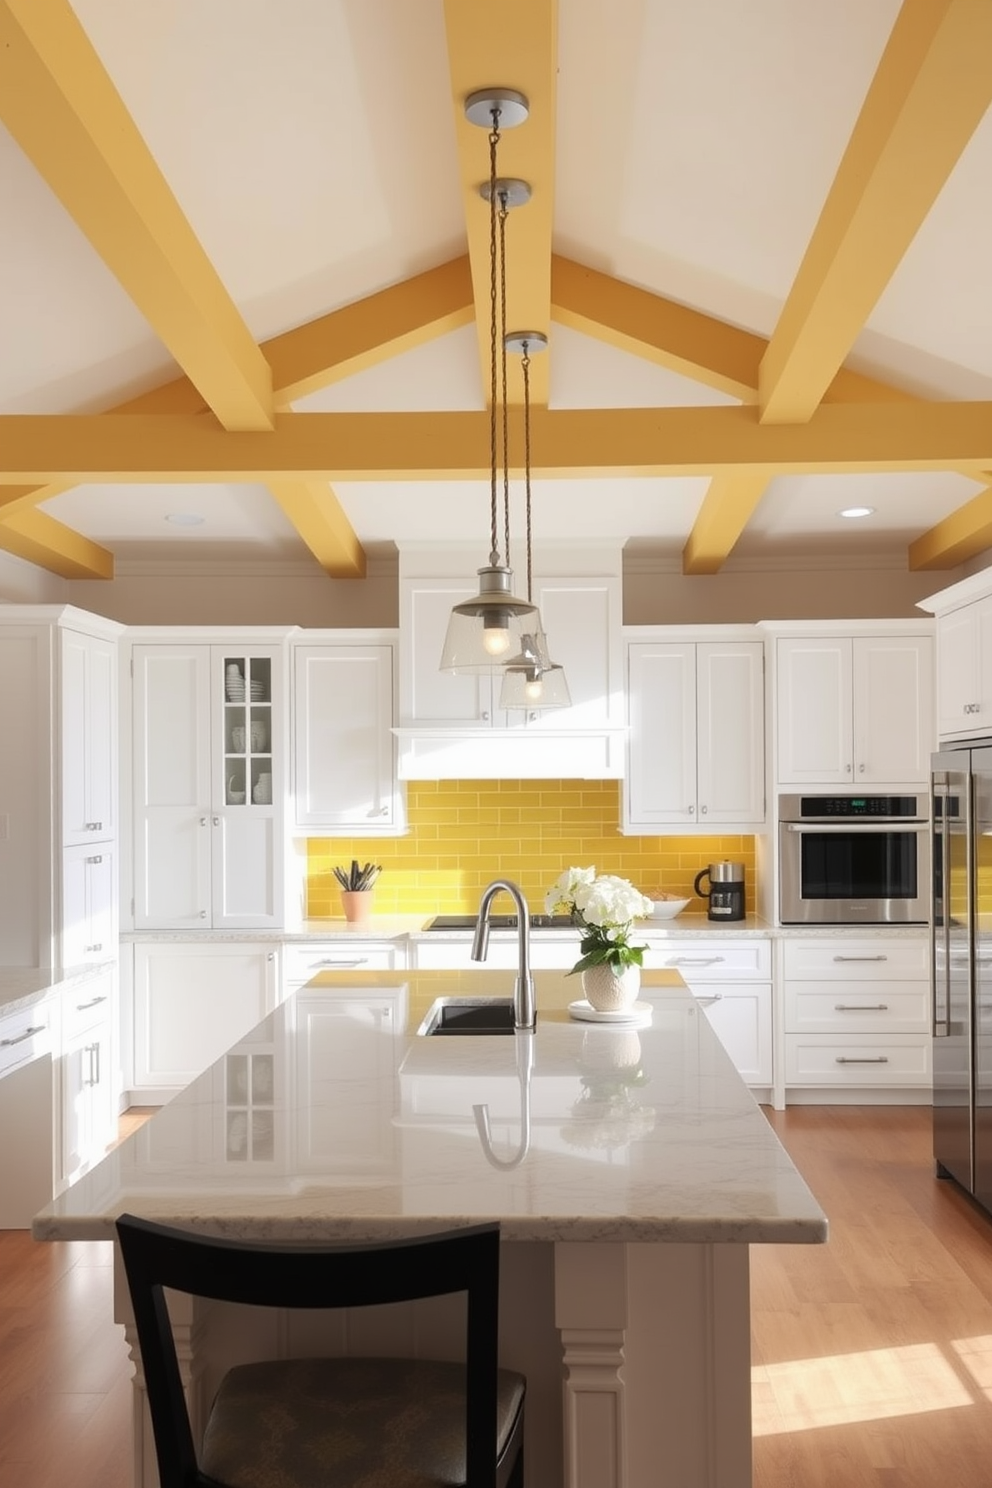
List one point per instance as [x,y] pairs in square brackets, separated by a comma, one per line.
[605,908]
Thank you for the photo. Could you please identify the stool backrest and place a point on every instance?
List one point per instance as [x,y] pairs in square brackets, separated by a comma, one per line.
[158,1256]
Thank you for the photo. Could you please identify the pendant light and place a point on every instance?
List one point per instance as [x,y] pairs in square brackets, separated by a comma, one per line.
[487,630]
[531,679]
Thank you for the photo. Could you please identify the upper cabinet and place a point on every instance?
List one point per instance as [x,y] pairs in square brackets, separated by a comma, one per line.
[696,758]
[343,747]
[58,786]
[452,727]
[964,661]
[209,781]
[854,710]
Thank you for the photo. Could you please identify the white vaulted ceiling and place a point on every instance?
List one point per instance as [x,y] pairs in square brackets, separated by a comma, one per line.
[316,150]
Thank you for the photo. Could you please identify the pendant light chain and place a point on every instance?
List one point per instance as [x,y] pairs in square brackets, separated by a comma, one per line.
[493,386]
[525,365]
[503,212]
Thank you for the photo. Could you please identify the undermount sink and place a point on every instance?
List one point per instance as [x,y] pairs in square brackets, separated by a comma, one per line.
[467,1015]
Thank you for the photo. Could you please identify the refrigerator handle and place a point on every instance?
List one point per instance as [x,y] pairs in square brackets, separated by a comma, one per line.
[939,917]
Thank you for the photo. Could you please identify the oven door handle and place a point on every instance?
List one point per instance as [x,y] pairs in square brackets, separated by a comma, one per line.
[902,824]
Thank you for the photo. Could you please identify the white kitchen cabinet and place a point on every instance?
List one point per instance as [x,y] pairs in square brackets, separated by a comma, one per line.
[87,1093]
[208,774]
[344,778]
[856,1018]
[302,962]
[452,727]
[58,764]
[731,980]
[854,710]
[190,1003]
[964,670]
[89,903]
[453,955]
[89,733]
[695,750]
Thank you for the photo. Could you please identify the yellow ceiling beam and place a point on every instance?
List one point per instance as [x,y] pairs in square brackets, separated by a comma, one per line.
[686,341]
[61,107]
[370,331]
[932,88]
[730,502]
[840,437]
[39,539]
[319,518]
[963,534]
[512,45]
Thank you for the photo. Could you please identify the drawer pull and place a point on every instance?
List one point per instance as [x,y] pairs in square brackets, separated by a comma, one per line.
[864,1007]
[83,1007]
[861,958]
[96,946]
[28,1033]
[98,858]
[694,960]
[713,997]
[339,961]
[878,1059]
[93,826]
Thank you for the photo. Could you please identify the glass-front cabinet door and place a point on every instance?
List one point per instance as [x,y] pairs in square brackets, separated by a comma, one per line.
[246,859]
[248,729]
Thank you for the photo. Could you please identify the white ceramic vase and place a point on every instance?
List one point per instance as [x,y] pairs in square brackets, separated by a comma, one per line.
[610,991]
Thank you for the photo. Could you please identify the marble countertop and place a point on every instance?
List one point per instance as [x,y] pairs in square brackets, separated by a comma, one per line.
[401,927]
[332,1119]
[24,986]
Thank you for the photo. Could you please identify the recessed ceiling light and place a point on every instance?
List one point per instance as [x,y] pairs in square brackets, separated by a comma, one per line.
[856,511]
[184,519]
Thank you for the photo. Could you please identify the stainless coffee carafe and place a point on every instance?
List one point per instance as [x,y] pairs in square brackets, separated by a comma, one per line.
[725,895]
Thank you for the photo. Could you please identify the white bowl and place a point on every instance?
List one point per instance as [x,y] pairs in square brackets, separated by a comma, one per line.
[667,909]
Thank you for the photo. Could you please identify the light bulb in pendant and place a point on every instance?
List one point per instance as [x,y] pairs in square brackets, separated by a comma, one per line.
[495,640]
[534,688]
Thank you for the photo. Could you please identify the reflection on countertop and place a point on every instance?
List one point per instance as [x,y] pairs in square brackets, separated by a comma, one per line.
[332,1118]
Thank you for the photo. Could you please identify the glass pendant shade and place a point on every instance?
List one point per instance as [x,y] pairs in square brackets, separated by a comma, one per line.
[531,679]
[487,630]
[530,688]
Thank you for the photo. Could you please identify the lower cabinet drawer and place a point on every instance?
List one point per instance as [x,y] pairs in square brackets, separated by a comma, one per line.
[301,962]
[25,1036]
[712,960]
[846,1059]
[857,1007]
[868,959]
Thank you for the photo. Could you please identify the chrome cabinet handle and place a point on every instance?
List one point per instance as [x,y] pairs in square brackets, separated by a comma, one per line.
[861,958]
[28,1033]
[861,769]
[331,961]
[82,1007]
[865,1007]
[847,769]
[203,821]
[93,826]
[879,1059]
[485,714]
[97,946]
[692,811]
[704,809]
[694,961]
[203,914]
[93,1050]
[216,821]
[708,1001]
[97,859]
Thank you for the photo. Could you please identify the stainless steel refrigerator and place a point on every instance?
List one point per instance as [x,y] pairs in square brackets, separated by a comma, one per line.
[961,967]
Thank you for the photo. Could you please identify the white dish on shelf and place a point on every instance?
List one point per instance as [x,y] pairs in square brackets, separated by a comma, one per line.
[638,1014]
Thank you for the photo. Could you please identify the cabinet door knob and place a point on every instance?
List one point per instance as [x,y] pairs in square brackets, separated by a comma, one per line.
[704,809]
[97,859]
[203,821]
[485,714]
[861,769]
[692,810]
[216,821]
[847,769]
[203,914]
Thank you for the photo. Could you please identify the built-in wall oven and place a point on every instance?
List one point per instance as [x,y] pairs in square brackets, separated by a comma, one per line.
[854,860]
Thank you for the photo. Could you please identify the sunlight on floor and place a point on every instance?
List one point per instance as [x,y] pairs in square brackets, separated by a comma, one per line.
[803,1394]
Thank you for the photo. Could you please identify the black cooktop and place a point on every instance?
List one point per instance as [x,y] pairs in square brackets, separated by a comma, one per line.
[499,922]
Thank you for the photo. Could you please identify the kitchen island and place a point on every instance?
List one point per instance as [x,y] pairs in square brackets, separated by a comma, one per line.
[629,1167]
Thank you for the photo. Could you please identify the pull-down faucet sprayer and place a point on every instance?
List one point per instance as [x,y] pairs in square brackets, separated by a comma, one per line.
[524,1003]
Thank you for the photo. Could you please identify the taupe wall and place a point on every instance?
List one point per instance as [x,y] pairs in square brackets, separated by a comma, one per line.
[299,594]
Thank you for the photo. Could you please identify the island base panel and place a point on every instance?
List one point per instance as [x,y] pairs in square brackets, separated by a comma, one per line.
[637,1359]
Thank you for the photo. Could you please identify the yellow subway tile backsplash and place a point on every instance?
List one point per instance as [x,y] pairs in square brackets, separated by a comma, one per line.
[462,835]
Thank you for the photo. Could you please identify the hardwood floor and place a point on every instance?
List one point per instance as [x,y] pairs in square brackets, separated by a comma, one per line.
[872,1354]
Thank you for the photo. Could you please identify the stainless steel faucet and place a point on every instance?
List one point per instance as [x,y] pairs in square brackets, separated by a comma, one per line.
[524,1001]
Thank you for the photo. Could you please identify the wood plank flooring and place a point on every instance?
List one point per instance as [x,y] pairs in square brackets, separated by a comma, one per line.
[872,1354]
